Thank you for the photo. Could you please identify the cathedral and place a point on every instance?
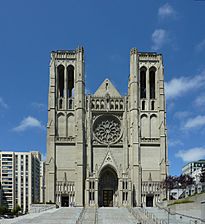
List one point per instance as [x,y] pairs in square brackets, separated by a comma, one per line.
[106,149]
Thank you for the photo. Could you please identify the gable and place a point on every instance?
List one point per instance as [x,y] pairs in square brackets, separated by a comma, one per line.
[107,88]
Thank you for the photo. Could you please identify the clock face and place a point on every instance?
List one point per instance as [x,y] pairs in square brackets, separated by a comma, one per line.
[107,129]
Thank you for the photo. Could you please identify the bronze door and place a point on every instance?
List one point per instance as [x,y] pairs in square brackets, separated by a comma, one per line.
[108,198]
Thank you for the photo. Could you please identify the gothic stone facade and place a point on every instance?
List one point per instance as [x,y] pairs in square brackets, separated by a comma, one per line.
[105,149]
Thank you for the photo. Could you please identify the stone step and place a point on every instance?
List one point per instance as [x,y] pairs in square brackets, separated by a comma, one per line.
[89,216]
[115,216]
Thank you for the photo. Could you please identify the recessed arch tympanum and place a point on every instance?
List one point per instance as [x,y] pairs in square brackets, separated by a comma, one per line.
[107,187]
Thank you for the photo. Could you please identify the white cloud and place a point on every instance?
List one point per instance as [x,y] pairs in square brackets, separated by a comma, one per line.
[191,154]
[201,46]
[179,86]
[166,10]
[195,122]
[182,114]
[28,122]
[39,106]
[200,101]
[173,142]
[3,104]
[159,38]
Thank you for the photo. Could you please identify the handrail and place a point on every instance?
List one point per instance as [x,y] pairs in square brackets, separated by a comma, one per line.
[176,213]
[96,215]
[152,217]
[80,218]
[136,216]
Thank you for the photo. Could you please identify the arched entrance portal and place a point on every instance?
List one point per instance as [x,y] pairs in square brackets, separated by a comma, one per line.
[107,188]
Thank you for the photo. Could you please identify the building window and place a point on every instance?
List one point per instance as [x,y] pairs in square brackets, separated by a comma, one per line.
[143,82]
[152,105]
[70,78]
[60,70]
[92,192]
[152,83]
[143,105]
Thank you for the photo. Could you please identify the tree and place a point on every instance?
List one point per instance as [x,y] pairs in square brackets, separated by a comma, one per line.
[181,182]
[169,183]
[16,210]
[3,210]
[184,180]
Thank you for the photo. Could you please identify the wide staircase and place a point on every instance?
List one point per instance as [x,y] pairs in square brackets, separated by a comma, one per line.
[103,215]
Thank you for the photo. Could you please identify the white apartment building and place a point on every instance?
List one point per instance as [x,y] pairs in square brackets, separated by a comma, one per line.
[194,169]
[20,178]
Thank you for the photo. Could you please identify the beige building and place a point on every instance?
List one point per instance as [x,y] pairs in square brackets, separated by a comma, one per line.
[20,177]
[105,149]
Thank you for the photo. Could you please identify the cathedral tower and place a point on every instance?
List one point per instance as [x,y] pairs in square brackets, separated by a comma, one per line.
[65,129]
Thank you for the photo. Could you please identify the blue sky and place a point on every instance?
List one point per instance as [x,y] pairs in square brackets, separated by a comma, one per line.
[30,30]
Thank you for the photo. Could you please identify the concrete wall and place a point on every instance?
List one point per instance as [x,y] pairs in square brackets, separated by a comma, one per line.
[190,209]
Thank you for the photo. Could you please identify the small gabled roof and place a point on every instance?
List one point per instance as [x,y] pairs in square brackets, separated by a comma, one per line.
[107,88]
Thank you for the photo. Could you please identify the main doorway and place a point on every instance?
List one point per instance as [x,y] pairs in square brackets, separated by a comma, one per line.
[107,187]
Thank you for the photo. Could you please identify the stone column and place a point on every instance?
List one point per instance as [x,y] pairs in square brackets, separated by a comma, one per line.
[125,141]
[130,193]
[87,192]
[59,199]
[120,191]
[96,192]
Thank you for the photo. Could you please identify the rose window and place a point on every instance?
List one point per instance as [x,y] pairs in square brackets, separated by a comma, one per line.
[107,129]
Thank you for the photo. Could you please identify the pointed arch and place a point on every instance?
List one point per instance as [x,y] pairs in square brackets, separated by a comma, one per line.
[112,105]
[97,104]
[143,71]
[144,126]
[143,105]
[107,187]
[152,74]
[70,125]
[152,105]
[61,125]
[70,80]
[60,78]
[102,105]
[154,126]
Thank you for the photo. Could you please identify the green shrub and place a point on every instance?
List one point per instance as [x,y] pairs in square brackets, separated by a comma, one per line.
[16,210]
[181,202]
[3,210]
